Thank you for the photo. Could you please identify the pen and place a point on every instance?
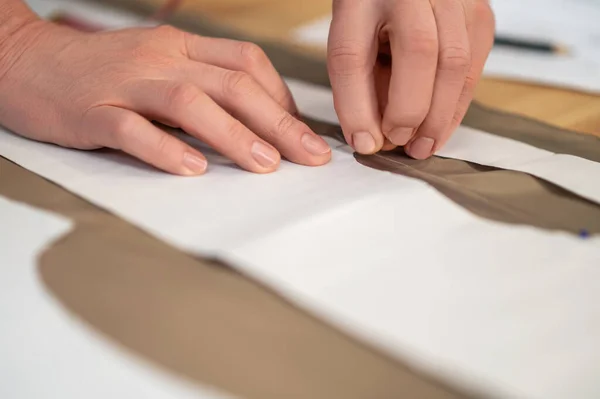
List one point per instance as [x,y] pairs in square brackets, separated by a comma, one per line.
[529,45]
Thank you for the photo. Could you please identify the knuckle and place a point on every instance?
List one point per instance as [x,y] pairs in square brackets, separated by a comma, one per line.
[411,117]
[163,144]
[482,9]
[189,43]
[471,82]
[484,14]
[124,129]
[142,51]
[347,58]
[124,125]
[182,96]
[285,99]
[164,37]
[284,125]
[166,31]
[455,58]
[152,43]
[236,132]
[252,55]
[237,83]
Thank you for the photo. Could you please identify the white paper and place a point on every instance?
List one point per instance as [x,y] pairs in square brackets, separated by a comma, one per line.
[248,204]
[314,33]
[45,352]
[572,173]
[564,72]
[487,306]
[504,310]
[507,312]
[575,174]
[569,23]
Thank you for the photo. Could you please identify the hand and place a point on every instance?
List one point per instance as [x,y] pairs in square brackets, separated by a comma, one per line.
[89,91]
[403,72]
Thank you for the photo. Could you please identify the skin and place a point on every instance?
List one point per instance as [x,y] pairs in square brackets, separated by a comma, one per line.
[402,71]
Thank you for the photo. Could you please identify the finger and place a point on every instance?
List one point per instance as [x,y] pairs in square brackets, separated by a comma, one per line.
[481,35]
[454,61]
[165,122]
[198,115]
[388,146]
[238,93]
[242,56]
[352,51]
[414,45]
[383,74]
[129,132]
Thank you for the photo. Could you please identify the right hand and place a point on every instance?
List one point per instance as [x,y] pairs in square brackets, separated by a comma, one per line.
[89,91]
[404,72]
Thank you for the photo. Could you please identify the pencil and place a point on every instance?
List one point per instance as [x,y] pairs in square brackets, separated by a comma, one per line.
[529,45]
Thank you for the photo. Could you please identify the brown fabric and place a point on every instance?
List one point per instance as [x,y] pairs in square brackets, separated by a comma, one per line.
[206,322]
[500,195]
[198,318]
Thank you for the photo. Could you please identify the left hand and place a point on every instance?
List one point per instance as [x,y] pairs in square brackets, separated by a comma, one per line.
[403,72]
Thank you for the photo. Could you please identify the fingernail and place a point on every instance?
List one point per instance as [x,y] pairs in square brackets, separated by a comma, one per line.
[314,144]
[266,156]
[194,163]
[363,142]
[388,146]
[421,148]
[401,135]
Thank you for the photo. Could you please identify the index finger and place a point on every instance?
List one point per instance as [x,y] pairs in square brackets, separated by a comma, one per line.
[351,56]
[242,56]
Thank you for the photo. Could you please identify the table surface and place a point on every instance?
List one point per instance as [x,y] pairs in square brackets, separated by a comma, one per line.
[277,18]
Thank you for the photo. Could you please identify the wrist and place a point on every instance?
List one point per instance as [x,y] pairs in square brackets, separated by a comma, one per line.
[18,26]
[13,15]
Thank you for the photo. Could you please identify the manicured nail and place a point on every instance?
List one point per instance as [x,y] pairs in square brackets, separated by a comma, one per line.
[266,156]
[363,142]
[194,164]
[314,144]
[401,135]
[421,148]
